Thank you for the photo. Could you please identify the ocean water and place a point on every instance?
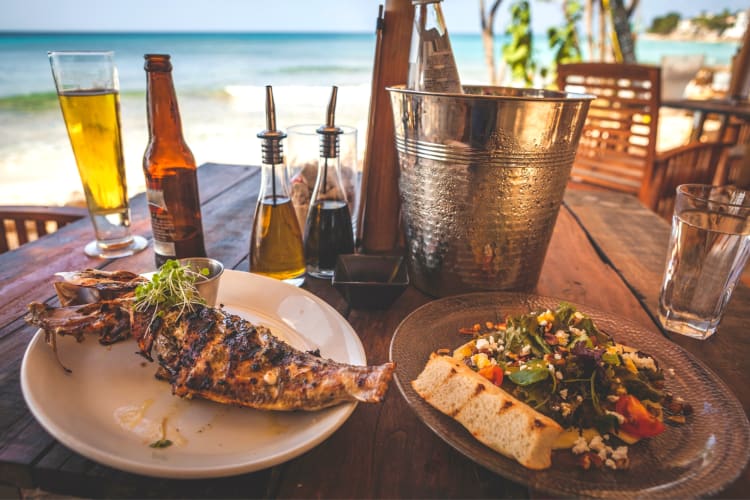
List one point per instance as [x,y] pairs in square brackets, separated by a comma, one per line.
[220,80]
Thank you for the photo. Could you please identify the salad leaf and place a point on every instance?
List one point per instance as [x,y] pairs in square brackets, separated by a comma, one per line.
[536,371]
[641,389]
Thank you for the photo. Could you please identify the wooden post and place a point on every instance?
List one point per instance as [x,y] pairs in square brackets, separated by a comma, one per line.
[380,230]
[740,78]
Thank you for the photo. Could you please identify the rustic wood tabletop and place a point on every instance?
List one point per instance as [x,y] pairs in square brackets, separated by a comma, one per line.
[607,252]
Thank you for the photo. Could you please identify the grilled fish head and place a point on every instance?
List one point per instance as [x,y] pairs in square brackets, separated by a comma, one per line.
[109,320]
[94,285]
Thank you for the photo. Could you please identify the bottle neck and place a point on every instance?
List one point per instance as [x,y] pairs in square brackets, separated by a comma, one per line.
[328,183]
[274,184]
[163,113]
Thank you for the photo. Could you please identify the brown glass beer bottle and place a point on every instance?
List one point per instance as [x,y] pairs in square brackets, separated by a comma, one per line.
[169,167]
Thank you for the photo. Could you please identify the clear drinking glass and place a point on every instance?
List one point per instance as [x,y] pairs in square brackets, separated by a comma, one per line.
[88,90]
[708,250]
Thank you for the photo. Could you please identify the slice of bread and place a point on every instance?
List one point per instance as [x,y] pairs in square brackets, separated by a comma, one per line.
[493,416]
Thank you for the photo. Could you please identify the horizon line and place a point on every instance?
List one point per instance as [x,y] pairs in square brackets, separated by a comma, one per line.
[127,32]
[175,32]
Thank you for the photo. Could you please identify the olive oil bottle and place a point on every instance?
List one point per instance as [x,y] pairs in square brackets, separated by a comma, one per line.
[276,247]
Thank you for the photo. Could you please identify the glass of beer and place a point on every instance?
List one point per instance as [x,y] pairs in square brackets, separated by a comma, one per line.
[88,90]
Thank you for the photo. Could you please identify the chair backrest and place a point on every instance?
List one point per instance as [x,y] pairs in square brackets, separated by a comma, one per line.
[21,224]
[618,144]
[738,159]
[694,163]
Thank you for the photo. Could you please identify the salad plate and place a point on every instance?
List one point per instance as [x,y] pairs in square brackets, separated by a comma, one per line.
[111,409]
[698,458]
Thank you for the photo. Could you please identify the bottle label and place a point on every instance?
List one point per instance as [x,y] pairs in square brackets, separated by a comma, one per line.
[162,223]
[440,73]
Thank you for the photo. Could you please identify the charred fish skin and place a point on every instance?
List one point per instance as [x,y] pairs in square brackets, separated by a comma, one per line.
[221,357]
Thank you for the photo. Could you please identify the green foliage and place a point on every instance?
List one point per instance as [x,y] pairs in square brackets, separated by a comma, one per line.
[563,40]
[665,25]
[719,22]
[517,52]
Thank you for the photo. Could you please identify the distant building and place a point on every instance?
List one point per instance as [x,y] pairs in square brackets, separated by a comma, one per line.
[688,30]
[737,31]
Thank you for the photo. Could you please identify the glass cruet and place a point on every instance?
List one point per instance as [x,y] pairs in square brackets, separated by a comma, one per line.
[328,228]
[276,248]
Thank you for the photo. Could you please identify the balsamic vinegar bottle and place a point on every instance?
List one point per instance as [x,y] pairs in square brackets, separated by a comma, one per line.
[328,229]
[170,171]
[276,247]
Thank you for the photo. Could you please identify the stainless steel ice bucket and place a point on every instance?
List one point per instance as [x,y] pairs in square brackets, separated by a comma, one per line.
[482,176]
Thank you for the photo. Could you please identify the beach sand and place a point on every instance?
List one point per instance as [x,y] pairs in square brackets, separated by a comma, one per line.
[37,166]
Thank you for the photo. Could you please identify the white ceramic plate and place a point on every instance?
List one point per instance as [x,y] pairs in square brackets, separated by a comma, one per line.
[110,408]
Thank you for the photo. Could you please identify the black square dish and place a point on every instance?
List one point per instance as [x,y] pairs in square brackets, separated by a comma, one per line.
[370,281]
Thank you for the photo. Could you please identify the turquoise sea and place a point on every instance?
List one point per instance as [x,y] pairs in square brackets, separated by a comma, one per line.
[219,80]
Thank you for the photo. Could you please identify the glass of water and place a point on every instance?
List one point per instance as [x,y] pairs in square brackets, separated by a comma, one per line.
[708,249]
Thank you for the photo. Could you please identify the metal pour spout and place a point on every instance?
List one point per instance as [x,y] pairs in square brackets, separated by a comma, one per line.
[329,143]
[271,148]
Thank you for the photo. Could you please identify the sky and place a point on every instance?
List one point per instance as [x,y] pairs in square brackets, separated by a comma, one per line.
[462,16]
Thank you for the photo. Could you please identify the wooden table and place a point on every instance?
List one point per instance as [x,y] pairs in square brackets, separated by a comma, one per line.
[701,108]
[607,252]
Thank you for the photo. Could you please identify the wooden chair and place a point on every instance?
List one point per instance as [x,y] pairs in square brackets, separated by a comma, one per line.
[738,159]
[696,162]
[618,144]
[27,223]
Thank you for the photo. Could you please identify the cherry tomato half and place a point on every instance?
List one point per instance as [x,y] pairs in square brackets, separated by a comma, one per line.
[638,421]
[493,373]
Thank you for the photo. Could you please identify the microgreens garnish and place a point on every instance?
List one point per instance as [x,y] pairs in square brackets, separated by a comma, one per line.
[172,285]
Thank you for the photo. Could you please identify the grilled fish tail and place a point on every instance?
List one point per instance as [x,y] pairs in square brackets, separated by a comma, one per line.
[368,383]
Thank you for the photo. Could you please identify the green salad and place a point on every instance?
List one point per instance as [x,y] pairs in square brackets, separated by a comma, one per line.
[559,363]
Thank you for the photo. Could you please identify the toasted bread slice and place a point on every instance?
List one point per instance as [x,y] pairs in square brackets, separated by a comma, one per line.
[493,416]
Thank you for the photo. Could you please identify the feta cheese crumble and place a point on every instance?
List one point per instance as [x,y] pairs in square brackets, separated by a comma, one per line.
[640,361]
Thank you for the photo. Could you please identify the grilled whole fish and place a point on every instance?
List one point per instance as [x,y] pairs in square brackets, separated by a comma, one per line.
[211,354]
[215,355]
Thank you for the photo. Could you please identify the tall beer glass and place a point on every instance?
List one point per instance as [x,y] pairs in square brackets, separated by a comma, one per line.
[88,90]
